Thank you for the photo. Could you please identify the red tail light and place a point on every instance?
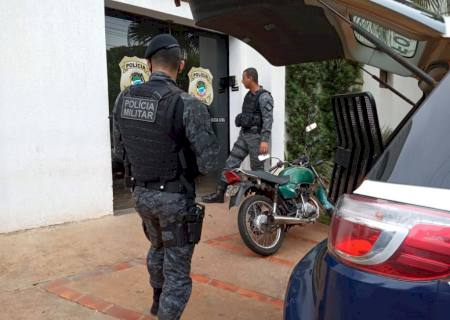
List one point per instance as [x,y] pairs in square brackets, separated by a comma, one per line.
[391,239]
[352,238]
[232,177]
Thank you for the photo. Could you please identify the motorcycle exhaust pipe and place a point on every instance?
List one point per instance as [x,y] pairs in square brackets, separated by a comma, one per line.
[291,220]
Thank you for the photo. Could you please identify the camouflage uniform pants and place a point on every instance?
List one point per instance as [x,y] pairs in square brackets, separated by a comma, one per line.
[169,268]
[246,144]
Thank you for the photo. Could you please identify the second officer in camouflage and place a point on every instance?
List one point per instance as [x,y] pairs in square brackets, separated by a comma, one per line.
[255,122]
[166,139]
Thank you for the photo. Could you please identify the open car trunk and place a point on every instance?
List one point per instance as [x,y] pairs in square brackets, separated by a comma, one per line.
[295,31]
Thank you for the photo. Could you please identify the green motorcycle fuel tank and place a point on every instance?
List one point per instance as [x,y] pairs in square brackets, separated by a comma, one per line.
[297,176]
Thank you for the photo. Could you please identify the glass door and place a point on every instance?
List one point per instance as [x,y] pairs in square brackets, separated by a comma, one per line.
[128,35]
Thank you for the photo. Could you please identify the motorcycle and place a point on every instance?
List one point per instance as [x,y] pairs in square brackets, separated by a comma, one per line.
[275,203]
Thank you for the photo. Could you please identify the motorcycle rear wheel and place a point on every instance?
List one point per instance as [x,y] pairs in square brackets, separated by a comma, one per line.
[258,235]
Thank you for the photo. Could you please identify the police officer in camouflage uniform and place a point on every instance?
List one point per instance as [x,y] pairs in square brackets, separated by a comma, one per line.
[256,125]
[166,138]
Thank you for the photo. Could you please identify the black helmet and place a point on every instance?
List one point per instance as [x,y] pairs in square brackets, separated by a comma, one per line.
[161,41]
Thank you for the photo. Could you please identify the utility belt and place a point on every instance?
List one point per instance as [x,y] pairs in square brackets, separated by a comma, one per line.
[248,120]
[169,186]
[181,185]
[187,229]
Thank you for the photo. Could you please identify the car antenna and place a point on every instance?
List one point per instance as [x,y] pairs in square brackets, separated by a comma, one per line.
[383,47]
[387,85]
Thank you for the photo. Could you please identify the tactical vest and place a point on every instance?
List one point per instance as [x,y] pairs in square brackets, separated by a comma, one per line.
[251,107]
[152,131]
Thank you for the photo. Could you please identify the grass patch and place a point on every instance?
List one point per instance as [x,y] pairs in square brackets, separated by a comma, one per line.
[324,218]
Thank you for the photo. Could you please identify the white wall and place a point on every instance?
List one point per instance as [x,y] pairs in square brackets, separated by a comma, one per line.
[272,78]
[391,108]
[54,135]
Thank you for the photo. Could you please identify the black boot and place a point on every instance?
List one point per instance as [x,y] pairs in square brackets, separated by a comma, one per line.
[155,305]
[218,196]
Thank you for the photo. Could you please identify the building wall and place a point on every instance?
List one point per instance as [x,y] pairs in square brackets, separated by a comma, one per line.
[391,108]
[54,137]
[271,78]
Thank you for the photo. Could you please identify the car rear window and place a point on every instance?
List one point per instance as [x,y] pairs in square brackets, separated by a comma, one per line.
[419,154]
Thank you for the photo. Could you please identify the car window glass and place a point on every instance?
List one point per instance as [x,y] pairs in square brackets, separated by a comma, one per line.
[419,155]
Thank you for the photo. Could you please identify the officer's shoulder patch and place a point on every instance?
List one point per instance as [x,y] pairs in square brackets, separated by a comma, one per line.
[142,109]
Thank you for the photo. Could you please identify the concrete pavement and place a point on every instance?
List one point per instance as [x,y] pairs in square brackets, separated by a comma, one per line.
[96,270]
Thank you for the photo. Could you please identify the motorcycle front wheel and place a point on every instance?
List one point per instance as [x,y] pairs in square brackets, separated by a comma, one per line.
[258,234]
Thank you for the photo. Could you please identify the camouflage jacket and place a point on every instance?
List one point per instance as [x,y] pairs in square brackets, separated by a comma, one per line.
[266,105]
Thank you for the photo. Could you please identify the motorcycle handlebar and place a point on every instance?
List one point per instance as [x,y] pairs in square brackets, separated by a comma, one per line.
[278,165]
[302,160]
[296,162]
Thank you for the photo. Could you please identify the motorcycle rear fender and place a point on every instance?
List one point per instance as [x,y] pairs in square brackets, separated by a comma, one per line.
[237,198]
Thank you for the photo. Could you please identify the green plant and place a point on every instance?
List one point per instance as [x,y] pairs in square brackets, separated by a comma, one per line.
[324,218]
[309,88]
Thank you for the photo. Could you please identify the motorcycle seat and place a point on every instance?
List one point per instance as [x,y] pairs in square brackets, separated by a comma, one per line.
[263,175]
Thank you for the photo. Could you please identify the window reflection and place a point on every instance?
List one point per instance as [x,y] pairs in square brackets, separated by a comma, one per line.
[403,45]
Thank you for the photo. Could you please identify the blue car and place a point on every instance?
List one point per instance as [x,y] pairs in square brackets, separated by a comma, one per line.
[388,251]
